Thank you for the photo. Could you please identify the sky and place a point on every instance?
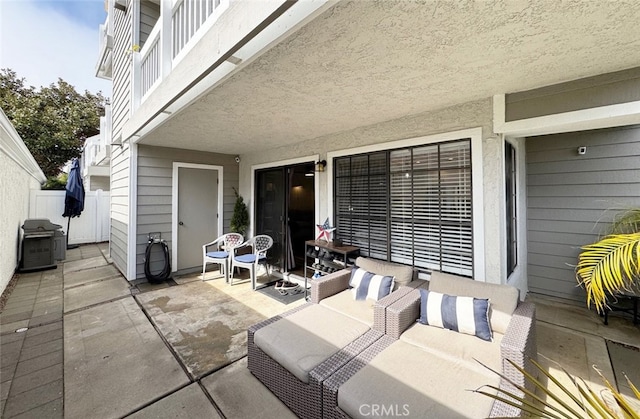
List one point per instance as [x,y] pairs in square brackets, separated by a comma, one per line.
[43,40]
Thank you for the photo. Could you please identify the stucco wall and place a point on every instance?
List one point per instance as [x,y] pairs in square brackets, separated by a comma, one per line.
[14,207]
[468,115]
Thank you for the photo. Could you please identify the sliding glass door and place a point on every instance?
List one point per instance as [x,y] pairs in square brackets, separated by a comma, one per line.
[285,210]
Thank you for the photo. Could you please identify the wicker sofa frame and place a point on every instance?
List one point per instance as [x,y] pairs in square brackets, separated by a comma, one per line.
[518,345]
[305,399]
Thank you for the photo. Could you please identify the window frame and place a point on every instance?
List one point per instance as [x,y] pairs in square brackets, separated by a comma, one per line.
[364,170]
[478,222]
[511,206]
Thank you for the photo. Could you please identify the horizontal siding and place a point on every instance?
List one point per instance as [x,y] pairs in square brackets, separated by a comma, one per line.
[582,178]
[602,90]
[579,166]
[149,15]
[121,90]
[120,163]
[154,200]
[571,200]
[119,245]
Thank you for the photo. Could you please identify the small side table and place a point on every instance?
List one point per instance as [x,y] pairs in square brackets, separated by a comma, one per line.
[625,302]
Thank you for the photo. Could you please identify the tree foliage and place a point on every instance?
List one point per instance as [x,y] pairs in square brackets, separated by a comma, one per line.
[240,218]
[53,121]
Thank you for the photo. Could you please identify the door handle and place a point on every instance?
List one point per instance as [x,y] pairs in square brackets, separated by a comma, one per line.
[180,223]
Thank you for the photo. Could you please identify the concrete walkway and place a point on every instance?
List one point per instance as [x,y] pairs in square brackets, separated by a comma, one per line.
[80,341]
[77,342]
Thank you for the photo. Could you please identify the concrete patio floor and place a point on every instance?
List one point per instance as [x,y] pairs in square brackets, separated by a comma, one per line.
[98,346]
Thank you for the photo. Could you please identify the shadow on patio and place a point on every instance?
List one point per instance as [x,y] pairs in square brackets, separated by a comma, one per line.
[158,350]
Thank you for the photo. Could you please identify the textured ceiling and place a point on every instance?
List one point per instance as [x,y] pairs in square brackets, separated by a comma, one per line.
[364,62]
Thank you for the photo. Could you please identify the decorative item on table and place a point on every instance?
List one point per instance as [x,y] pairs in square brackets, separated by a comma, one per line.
[325,231]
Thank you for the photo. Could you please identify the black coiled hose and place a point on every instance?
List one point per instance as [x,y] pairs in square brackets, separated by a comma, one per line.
[166,271]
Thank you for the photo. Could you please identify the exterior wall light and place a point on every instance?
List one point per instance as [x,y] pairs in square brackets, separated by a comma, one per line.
[320,165]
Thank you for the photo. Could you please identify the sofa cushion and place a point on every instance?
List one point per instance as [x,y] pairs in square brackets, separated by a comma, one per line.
[403,274]
[343,303]
[461,314]
[407,381]
[503,298]
[301,341]
[458,347]
[369,286]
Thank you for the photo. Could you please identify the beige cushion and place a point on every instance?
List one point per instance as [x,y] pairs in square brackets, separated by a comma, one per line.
[344,303]
[303,340]
[456,346]
[502,298]
[403,274]
[418,384]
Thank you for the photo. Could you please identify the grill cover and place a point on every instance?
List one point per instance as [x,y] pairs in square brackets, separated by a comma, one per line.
[39,225]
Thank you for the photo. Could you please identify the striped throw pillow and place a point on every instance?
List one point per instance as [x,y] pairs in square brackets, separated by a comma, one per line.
[366,285]
[461,314]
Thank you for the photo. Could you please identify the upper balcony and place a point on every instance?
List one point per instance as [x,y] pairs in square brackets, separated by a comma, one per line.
[104,64]
[194,45]
[97,149]
[179,27]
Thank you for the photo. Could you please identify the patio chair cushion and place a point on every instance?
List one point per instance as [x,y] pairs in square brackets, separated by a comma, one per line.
[343,303]
[301,341]
[403,274]
[461,314]
[405,378]
[503,298]
[248,258]
[369,286]
[218,255]
[458,347]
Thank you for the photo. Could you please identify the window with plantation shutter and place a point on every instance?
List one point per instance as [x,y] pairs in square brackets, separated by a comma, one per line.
[361,204]
[411,205]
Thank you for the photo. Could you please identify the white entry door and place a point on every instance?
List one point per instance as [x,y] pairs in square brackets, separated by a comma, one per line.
[197,214]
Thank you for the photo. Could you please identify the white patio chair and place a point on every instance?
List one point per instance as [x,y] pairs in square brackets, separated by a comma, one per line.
[260,244]
[225,245]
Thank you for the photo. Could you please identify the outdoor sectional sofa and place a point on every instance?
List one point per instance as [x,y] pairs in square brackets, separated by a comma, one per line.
[428,371]
[293,353]
[401,368]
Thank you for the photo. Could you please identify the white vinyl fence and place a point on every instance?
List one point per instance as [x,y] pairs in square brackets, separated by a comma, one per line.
[92,226]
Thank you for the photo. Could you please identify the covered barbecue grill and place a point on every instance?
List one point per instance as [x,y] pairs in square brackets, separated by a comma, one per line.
[43,243]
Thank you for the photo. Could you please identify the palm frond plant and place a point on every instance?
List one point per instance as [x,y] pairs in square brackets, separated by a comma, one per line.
[626,222]
[609,266]
[563,402]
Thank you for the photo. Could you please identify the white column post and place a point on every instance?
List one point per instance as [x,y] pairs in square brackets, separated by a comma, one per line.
[136,81]
[136,76]
[166,38]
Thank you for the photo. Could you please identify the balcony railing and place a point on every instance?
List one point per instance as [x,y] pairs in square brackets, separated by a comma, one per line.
[105,42]
[103,152]
[97,149]
[188,16]
[150,64]
[176,31]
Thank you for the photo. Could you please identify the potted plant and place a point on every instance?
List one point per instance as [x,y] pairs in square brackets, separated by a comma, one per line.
[612,265]
[240,218]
